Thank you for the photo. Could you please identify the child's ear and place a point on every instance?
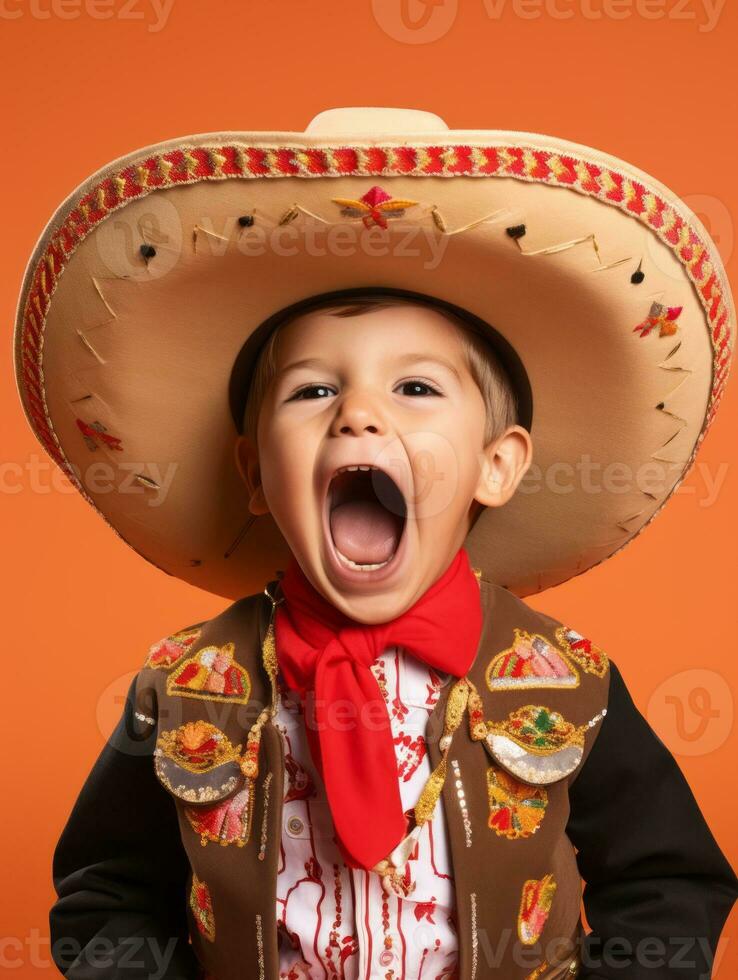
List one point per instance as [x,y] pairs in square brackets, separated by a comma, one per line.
[247,462]
[503,464]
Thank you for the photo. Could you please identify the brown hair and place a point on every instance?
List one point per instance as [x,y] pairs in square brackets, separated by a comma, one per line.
[484,365]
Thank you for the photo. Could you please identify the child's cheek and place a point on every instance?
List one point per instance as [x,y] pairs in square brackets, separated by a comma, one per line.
[437,483]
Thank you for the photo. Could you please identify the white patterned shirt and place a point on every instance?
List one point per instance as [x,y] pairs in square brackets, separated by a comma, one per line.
[335,921]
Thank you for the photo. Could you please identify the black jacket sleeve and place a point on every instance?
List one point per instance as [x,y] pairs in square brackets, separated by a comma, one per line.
[120,870]
[658,889]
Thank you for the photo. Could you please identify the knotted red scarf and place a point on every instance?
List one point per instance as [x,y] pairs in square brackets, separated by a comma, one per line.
[325,656]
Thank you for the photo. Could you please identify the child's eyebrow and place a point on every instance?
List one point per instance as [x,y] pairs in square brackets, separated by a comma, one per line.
[411,358]
[305,362]
[429,359]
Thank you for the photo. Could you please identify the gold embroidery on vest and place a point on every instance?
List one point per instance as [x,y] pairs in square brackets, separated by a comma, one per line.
[583,652]
[537,744]
[260,946]
[196,748]
[202,908]
[211,674]
[264,825]
[225,823]
[531,661]
[535,904]
[165,653]
[474,936]
[516,810]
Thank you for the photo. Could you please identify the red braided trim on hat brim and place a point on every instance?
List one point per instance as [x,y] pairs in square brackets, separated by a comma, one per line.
[190,165]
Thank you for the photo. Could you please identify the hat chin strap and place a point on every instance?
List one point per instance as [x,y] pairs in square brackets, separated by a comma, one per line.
[370,120]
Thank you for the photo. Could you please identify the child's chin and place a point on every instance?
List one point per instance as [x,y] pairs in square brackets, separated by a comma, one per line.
[378,605]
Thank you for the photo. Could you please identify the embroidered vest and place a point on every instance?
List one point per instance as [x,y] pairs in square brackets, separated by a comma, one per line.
[509,737]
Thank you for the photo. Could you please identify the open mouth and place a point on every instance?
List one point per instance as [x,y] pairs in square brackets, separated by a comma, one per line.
[366,517]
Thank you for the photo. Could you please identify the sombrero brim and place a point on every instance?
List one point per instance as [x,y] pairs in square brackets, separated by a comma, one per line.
[145,285]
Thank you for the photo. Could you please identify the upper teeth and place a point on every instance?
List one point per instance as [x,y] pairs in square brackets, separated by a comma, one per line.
[344,469]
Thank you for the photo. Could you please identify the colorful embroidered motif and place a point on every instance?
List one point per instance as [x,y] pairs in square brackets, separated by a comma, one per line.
[535,905]
[167,652]
[197,746]
[663,317]
[536,744]
[477,724]
[96,434]
[226,823]
[211,673]
[516,809]
[583,652]
[202,908]
[197,762]
[531,661]
[374,207]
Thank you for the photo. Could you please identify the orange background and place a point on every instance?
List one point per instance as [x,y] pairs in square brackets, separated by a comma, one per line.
[81,609]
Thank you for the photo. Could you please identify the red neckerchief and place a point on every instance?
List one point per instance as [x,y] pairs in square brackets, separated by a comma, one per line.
[325,656]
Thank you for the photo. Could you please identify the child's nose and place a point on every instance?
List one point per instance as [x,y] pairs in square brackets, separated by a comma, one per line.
[358,413]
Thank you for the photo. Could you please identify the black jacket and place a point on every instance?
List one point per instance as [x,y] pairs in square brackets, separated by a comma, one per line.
[653,872]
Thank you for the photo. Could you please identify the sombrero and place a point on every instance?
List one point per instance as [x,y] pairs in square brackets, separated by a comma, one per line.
[152,276]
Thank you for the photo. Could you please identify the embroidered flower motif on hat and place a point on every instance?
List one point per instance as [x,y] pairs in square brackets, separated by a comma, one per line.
[197,746]
[96,434]
[374,207]
[226,823]
[516,809]
[583,652]
[535,904]
[202,908]
[536,744]
[211,673]
[165,653]
[663,317]
[531,661]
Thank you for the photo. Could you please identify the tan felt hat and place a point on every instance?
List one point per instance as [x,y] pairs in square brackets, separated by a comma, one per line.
[153,274]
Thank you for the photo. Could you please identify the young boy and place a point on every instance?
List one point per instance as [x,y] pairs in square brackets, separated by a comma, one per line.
[385,764]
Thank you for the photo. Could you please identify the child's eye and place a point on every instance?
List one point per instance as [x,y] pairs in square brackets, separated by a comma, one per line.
[418,388]
[311,391]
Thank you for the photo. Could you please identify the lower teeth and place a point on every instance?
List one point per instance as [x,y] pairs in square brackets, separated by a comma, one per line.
[362,568]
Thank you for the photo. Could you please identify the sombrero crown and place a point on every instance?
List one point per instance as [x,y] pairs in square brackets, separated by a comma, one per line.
[153,274]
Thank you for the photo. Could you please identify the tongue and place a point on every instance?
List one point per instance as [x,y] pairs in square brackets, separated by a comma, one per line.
[365,532]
